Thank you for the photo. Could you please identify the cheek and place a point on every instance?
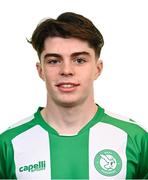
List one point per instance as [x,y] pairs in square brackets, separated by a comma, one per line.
[88,78]
[50,74]
[48,78]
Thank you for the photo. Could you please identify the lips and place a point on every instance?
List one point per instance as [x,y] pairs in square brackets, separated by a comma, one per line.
[67,86]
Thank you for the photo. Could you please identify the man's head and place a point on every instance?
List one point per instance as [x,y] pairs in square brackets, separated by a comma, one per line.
[69,50]
[67,25]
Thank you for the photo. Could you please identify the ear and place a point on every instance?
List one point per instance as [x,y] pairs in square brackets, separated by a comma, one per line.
[40,70]
[99,68]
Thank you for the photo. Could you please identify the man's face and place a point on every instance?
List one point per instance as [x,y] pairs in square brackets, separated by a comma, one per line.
[68,67]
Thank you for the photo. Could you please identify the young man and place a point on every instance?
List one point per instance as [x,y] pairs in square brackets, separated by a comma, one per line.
[72,137]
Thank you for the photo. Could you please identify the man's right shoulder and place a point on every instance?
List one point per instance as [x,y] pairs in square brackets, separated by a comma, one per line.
[17,128]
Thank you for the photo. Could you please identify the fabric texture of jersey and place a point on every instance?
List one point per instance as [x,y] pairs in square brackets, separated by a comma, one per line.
[108,147]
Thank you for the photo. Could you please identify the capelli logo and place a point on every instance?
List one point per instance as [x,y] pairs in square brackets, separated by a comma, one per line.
[40,166]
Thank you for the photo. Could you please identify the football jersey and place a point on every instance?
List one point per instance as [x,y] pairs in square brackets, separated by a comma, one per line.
[107,147]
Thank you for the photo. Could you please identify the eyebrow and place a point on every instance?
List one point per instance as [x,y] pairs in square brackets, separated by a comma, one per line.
[72,55]
[80,53]
[51,55]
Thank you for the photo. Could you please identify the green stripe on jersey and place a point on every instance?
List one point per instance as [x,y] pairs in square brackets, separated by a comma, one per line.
[68,158]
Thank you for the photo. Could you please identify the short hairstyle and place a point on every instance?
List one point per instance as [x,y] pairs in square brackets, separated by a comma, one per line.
[67,25]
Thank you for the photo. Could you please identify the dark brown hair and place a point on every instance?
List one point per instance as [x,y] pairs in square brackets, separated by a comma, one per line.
[67,25]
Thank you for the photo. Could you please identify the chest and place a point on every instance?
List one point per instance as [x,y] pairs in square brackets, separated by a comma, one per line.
[95,154]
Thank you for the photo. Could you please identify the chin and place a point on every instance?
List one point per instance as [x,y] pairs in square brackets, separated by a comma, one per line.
[69,103]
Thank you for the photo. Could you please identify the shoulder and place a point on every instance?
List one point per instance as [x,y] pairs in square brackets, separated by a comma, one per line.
[17,128]
[125,124]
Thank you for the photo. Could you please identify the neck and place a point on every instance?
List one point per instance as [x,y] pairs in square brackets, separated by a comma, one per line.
[67,120]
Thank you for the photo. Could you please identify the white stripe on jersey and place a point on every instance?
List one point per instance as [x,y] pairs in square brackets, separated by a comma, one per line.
[21,122]
[30,148]
[123,118]
[109,137]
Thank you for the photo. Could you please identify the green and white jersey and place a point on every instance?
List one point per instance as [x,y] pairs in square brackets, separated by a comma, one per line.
[108,147]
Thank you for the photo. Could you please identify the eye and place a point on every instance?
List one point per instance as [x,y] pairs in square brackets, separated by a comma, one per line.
[80,60]
[53,61]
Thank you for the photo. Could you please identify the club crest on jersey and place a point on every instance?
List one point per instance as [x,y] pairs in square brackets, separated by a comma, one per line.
[107,162]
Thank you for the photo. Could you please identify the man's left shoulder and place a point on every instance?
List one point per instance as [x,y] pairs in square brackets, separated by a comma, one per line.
[126,124]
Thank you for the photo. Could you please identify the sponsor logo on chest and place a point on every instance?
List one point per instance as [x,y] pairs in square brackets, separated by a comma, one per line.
[40,166]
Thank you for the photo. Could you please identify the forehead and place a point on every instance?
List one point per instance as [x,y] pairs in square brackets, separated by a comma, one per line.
[66,46]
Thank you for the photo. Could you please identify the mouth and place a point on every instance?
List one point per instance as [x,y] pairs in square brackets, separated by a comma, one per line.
[67,86]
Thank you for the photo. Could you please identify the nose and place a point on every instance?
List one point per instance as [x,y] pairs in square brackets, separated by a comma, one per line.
[66,69]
